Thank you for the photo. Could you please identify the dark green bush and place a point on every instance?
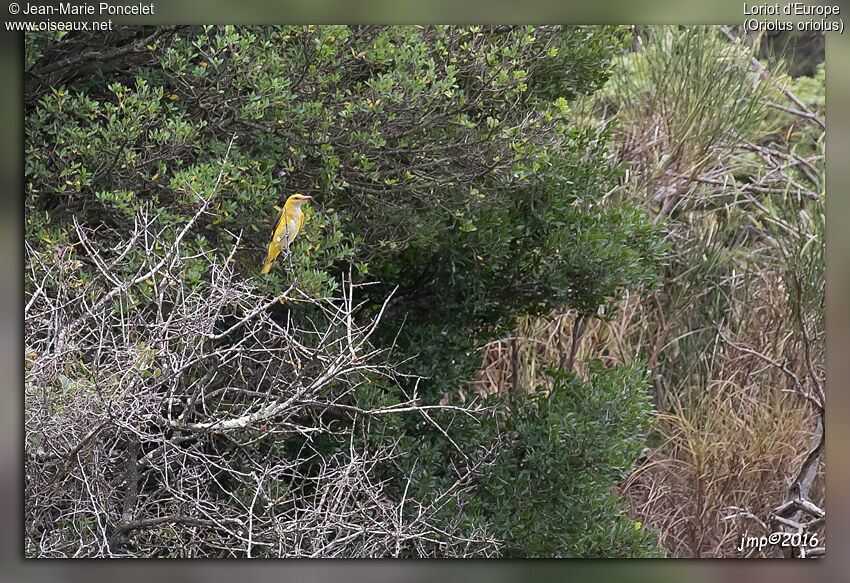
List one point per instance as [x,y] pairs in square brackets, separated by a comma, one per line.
[550,492]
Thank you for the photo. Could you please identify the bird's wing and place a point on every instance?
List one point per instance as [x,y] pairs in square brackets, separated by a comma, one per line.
[277,223]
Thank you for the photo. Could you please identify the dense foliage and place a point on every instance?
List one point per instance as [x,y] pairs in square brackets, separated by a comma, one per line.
[566,450]
[446,175]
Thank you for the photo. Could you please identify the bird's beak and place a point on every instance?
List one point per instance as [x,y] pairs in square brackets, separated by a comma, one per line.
[307,198]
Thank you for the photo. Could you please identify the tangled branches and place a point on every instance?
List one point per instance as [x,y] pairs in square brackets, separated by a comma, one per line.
[209,420]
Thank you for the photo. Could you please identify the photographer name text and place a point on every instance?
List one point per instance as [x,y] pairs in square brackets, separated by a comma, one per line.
[99,9]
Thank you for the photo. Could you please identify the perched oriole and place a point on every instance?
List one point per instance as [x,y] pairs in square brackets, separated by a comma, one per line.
[286,227]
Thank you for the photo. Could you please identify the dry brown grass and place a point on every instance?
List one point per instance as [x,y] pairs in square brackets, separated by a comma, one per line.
[731,442]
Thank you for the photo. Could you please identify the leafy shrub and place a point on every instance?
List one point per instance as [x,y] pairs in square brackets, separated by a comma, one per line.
[448,181]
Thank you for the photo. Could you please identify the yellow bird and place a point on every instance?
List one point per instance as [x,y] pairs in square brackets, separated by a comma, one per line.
[286,227]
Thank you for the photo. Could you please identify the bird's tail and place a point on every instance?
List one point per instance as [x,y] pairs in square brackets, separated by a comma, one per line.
[273,253]
[269,259]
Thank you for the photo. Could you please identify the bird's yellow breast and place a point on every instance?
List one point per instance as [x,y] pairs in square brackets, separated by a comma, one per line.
[288,229]
[288,225]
